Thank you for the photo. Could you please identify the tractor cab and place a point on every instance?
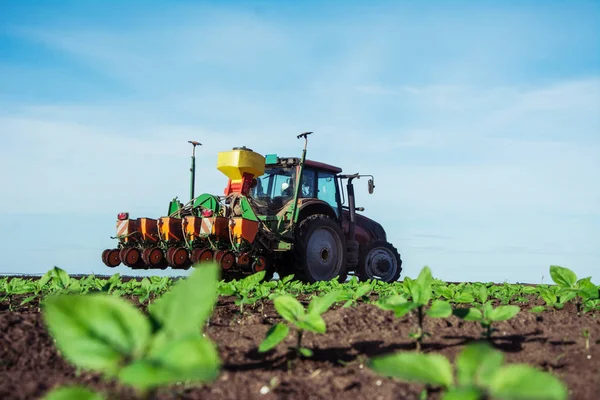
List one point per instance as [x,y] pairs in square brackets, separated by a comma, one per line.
[274,190]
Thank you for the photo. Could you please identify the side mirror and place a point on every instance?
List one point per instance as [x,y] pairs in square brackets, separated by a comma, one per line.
[371,186]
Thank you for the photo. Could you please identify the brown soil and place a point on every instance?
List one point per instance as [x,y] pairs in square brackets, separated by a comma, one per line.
[30,365]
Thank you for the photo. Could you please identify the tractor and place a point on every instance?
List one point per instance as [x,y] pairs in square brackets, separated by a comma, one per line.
[284,215]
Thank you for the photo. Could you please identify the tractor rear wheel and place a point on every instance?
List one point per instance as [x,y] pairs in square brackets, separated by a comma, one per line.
[379,260]
[319,249]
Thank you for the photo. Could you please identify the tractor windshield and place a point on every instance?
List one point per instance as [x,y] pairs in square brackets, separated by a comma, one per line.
[276,185]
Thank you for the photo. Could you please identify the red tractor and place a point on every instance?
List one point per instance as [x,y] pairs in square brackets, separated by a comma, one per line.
[284,214]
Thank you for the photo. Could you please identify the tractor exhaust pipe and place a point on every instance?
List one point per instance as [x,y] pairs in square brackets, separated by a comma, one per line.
[353,245]
[193,168]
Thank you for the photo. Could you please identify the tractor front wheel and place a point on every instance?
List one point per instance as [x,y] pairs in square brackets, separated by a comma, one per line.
[379,260]
[319,249]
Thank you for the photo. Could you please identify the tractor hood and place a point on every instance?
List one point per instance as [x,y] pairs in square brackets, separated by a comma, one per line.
[367,230]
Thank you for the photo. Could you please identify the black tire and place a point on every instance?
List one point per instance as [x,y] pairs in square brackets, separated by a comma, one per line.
[319,249]
[379,260]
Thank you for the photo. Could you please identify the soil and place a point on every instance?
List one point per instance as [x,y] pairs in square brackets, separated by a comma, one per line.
[30,365]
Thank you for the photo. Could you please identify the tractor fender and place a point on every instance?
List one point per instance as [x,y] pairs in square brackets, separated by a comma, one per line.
[310,207]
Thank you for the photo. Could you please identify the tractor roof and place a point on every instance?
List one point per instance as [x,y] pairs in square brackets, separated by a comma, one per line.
[272,159]
[323,166]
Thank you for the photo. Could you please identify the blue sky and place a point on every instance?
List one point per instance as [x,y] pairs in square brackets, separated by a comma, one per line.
[480,121]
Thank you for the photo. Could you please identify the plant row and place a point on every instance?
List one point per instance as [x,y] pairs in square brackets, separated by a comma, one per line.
[105,333]
[253,289]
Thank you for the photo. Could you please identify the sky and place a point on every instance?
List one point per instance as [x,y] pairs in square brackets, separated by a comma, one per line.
[479,120]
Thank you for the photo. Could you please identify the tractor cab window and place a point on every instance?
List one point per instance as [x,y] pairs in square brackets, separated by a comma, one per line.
[308,183]
[274,189]
[327,189]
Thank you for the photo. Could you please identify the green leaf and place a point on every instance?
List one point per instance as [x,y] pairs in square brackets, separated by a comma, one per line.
[563,277]
[503,313]
[60,277]
[518,381]
[446,292]
[362,291]
[429,369]
[318,305]
[487,309]
[483,294]
[145,283]
[73,393]
[28,299]
[468,393]
[586,289]
[548,297]
[476,364]
[305,352]
[254,279]
[567,295]
[44,279]
[421,287]
[289,308]
[312,322]
[388,303]
[275,335]
[186,307]
[440,309]
[189,359]
[537,309]
[404,308]
[468,314]
[464,298]
[96,331]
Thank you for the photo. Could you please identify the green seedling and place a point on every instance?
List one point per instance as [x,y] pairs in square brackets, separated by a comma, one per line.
[591,305]
[61,282]
[550,298]
[38,288]
[486,314]
[586,336]
[420,293]
[113,285]
[454,293]
[480,374]
[352,295]
[570,287]
[247,291]
[107,334]
[16,287]
[293,312]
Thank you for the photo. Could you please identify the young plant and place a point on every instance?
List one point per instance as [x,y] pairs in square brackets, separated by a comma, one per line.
[586,336]
[248,290]
[351,295]
[550,298]
[107,334]
[591,305]
[303,320]
[37,287]
[486,314]
[454,293]
[61,282]
[569,287]
[480,374]
[280,287]
[16,287]
[420,293]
